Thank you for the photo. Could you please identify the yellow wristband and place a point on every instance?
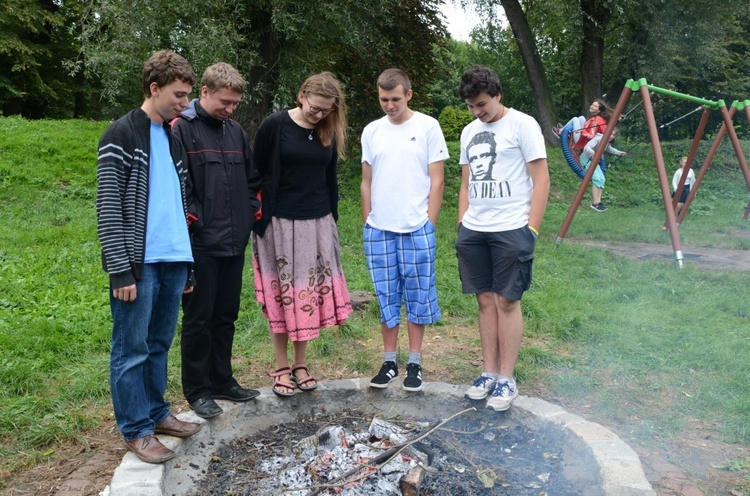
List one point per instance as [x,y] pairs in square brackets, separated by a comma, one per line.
[534,230]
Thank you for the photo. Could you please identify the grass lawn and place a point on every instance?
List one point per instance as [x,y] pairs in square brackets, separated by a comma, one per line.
[642,347]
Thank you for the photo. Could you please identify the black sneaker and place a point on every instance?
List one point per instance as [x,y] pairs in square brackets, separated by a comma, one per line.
[413,381]
[599,207]
[388,372]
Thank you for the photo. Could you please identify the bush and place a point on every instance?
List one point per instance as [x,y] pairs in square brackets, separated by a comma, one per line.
[453,120]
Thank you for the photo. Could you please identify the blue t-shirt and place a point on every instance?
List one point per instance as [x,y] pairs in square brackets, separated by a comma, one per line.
[167,238]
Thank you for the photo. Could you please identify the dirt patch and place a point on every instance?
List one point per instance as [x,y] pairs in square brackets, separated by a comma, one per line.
[712,258]
[73,469]
[692,462]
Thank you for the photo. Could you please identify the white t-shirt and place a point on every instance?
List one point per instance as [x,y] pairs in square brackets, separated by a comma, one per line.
[399,156]
[688,182]
[500,186]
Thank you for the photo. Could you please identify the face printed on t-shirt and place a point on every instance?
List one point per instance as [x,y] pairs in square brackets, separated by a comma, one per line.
[481,152]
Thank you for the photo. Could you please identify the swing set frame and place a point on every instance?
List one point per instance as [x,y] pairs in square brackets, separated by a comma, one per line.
[670,203]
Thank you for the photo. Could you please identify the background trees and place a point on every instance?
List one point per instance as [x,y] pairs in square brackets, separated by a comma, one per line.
[275,44]
[82,58]
[576,50]
[33,37]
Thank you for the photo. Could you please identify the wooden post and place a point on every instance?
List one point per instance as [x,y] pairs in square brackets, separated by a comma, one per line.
[662,171]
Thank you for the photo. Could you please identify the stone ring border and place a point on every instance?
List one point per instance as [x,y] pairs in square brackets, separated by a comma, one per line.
[619,468]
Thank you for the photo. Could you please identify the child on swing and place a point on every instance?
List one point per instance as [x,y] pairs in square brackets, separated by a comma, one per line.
[585,131]
[597,180]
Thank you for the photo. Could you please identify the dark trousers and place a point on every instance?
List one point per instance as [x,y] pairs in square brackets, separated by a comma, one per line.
[209,313]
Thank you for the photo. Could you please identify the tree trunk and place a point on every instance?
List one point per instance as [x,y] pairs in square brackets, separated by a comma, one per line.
[545,110]
[595,17]
[261,77]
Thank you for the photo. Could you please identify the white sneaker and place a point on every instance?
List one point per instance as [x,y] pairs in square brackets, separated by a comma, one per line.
[482,387]
[504,393]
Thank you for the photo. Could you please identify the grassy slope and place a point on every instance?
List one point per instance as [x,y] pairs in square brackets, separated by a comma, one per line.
[633,339]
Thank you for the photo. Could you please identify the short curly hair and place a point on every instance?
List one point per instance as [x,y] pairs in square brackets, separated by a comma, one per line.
[479,79]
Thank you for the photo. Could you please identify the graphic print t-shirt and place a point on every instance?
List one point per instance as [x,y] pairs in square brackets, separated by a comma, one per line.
[500,186]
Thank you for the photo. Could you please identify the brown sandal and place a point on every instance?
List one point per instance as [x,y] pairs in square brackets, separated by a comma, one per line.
[301,382]
[279,383]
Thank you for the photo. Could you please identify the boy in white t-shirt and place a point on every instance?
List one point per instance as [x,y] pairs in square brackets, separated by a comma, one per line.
[501,203]
[686,188]
[402,191]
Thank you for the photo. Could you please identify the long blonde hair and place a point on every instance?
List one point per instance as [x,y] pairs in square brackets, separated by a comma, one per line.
[332,128]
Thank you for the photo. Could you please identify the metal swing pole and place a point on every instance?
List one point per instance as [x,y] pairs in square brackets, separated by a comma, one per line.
[661,169]
[746,105]
[737,148]
[726,127]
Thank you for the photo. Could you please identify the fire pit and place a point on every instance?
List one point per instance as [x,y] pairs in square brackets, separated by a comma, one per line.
[308,442]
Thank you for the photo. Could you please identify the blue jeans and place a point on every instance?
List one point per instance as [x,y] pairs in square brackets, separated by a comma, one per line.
[141,336]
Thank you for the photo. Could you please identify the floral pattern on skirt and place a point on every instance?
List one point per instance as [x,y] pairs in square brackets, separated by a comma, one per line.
[298,277]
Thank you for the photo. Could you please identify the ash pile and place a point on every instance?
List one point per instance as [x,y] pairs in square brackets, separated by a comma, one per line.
[350,453]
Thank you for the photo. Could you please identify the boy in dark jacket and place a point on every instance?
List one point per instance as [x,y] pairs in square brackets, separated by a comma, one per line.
[141,211]
[222,188]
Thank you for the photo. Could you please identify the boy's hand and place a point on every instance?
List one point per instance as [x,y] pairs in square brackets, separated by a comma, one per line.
[128,293]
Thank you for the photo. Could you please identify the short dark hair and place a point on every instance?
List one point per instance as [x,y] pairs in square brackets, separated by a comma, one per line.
[479,79]
[165,67]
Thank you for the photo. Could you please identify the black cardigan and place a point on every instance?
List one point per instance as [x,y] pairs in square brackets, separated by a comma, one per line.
[267,153]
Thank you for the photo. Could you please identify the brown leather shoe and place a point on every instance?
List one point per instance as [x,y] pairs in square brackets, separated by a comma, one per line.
[150,450]
[173,426]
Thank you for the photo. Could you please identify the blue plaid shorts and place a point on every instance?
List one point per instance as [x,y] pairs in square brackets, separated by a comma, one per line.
[402,267]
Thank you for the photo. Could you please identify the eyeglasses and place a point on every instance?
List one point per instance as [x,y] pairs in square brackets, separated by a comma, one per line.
[317,110]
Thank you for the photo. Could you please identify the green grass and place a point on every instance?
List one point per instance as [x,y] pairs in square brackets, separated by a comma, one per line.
[648,346]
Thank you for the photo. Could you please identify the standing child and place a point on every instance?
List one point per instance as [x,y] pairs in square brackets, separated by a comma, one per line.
[688,184]
[499,219]
[402,191]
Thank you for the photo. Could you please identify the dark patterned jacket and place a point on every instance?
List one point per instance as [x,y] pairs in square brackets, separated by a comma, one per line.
[122,194]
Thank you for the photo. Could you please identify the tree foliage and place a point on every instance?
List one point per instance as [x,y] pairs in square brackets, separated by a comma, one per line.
[453,120]
[68,58]
[274,44]
[31,77]
[589,48]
